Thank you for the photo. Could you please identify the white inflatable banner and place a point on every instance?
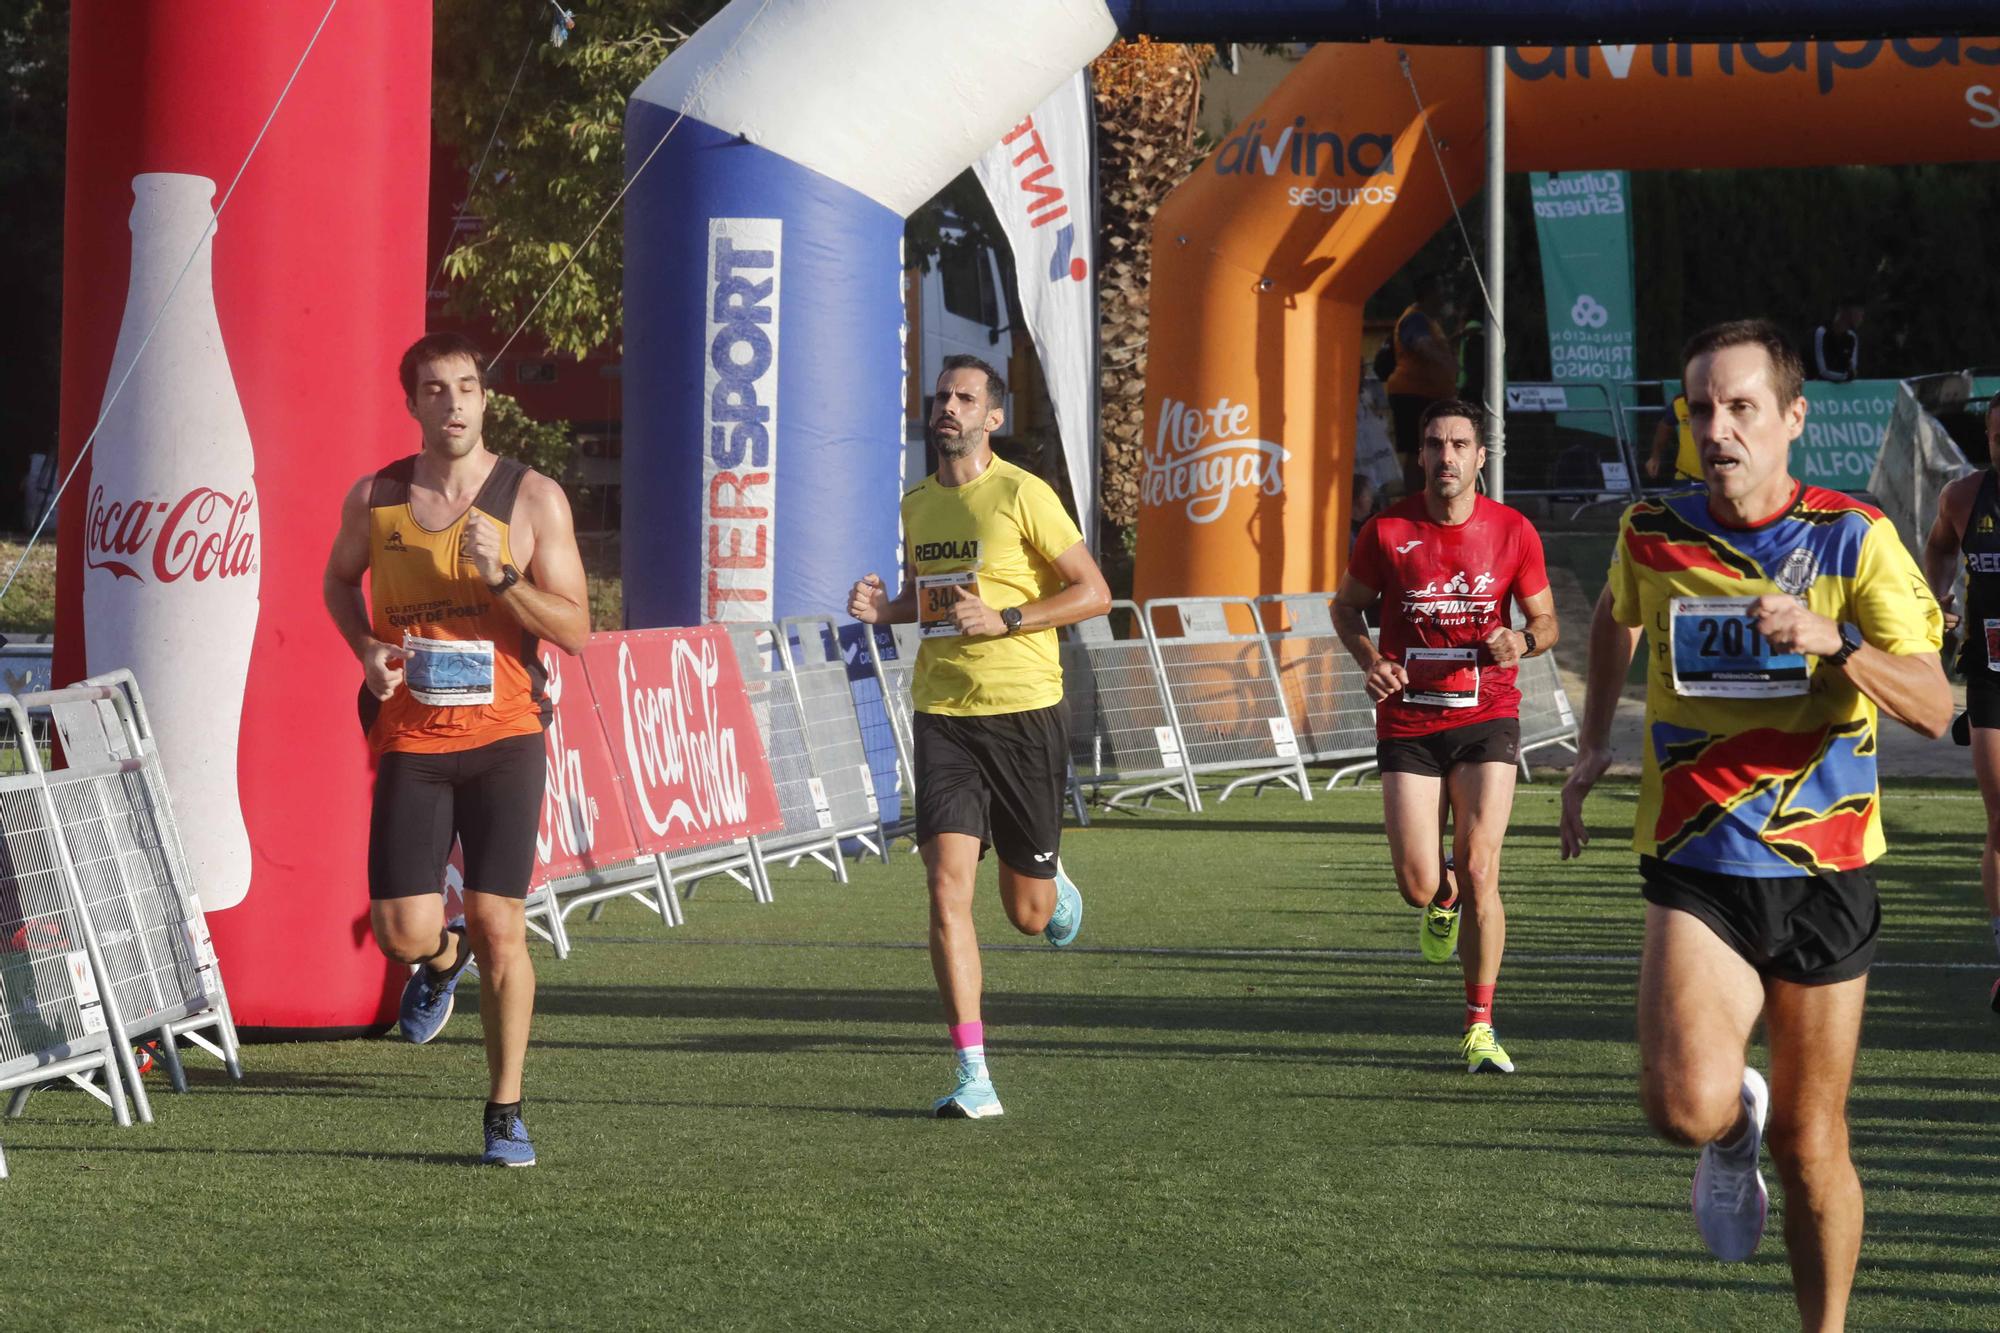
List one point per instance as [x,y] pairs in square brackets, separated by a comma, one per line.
[1039,179]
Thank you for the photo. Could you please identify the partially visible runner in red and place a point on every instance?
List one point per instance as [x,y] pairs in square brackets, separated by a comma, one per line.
[1443,565]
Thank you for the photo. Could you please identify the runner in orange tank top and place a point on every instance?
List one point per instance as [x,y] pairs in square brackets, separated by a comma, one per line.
[472,564]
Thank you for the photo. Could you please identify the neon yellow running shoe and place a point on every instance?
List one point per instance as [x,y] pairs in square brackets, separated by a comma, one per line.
[1437,933]
[1482,1053]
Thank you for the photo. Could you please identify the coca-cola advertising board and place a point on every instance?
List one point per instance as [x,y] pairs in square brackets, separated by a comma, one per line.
[243,368]
[585,825]
[680,726]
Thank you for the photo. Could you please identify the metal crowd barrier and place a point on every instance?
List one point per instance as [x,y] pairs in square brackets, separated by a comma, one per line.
[1567,440]
[99,832]
[1332,715]
[1122,733]
[53,1023]
[1222,687]
[833,729]
[892,656]
[768,679]
[1546,716]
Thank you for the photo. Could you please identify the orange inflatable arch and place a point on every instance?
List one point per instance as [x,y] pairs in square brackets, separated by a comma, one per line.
[1262,259]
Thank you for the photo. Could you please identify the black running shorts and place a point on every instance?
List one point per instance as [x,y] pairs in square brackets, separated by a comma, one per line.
[1810,929]
[998,778]
[1496,741]
[1982,697]
[490,798]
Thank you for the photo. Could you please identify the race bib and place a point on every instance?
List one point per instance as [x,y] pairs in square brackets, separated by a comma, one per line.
[937,594]
[1993,645]
[448,673]
[1442,677]
[1718,653]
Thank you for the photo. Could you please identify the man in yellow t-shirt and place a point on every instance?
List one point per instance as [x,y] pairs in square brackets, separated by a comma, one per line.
[1782,622]
[1673,438]
[994,567]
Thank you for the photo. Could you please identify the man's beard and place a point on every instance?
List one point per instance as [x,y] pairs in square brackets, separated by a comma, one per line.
[955,446]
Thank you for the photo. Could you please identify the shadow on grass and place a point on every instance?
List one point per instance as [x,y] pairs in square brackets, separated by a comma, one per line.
[233,1151]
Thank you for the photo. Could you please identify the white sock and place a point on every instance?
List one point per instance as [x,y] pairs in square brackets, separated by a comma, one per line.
[973,1057]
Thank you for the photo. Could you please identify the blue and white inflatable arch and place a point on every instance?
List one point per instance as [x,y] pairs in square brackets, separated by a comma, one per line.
[763,300]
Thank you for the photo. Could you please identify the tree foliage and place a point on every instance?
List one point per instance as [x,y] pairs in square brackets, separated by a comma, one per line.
[545,446]
[1147,94]
[558,158]
[34,74]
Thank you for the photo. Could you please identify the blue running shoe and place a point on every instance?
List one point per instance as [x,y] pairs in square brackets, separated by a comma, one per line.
[507,1143]
[1067,919]
[427,998]
[972,1099]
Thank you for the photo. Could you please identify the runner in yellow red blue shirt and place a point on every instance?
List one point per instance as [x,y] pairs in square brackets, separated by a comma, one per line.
[1781,620]
[995,565]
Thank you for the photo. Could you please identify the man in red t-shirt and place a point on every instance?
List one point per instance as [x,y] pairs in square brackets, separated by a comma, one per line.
[1443,565]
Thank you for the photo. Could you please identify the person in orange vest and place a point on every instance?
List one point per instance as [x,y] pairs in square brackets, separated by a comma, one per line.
[472,564]
[1426,371]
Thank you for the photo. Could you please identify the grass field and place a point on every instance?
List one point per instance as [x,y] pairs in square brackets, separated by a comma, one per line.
[1235,1104]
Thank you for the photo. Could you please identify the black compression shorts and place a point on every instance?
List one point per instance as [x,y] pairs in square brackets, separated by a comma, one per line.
[489,798]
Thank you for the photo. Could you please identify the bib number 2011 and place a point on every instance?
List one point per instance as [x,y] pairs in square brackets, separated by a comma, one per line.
[1718,653]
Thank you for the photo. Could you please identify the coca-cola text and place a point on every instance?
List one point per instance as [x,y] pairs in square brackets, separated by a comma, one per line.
[204,534]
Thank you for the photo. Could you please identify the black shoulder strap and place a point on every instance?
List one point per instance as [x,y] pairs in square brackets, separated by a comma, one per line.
[496,497]
[392,484]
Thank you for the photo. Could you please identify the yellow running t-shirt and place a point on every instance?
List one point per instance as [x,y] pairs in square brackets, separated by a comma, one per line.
[999,535]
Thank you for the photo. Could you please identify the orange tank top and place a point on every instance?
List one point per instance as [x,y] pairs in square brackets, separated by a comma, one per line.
[1412,376]
[471,674]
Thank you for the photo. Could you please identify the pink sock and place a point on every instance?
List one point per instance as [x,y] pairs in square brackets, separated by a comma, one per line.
[964,1035]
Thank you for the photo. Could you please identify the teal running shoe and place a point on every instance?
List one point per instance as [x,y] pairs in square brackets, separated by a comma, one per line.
[972,1099]
[507,1143]
[1067,919]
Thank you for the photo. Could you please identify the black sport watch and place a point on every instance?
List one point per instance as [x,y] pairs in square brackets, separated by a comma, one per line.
[1528,637]
[1850,644]
[509,576]
[1011,618]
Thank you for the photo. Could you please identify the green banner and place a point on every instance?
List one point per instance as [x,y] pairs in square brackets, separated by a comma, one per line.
[1583,223]
[1843,435]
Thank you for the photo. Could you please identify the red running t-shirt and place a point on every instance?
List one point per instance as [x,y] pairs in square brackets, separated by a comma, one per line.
[1444,589]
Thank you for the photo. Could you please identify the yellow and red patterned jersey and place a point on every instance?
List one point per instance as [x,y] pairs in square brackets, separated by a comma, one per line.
[1758,763]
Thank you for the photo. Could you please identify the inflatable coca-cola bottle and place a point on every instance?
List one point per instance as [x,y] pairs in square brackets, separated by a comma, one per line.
[170,578]
[195,532]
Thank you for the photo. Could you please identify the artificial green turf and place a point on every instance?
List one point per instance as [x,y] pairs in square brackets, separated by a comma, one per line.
[1235,1104]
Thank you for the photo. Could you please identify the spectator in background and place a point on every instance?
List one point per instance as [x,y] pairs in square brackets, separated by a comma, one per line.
[1674,458]
[1426,371]
[1472,349]
[1836,345]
